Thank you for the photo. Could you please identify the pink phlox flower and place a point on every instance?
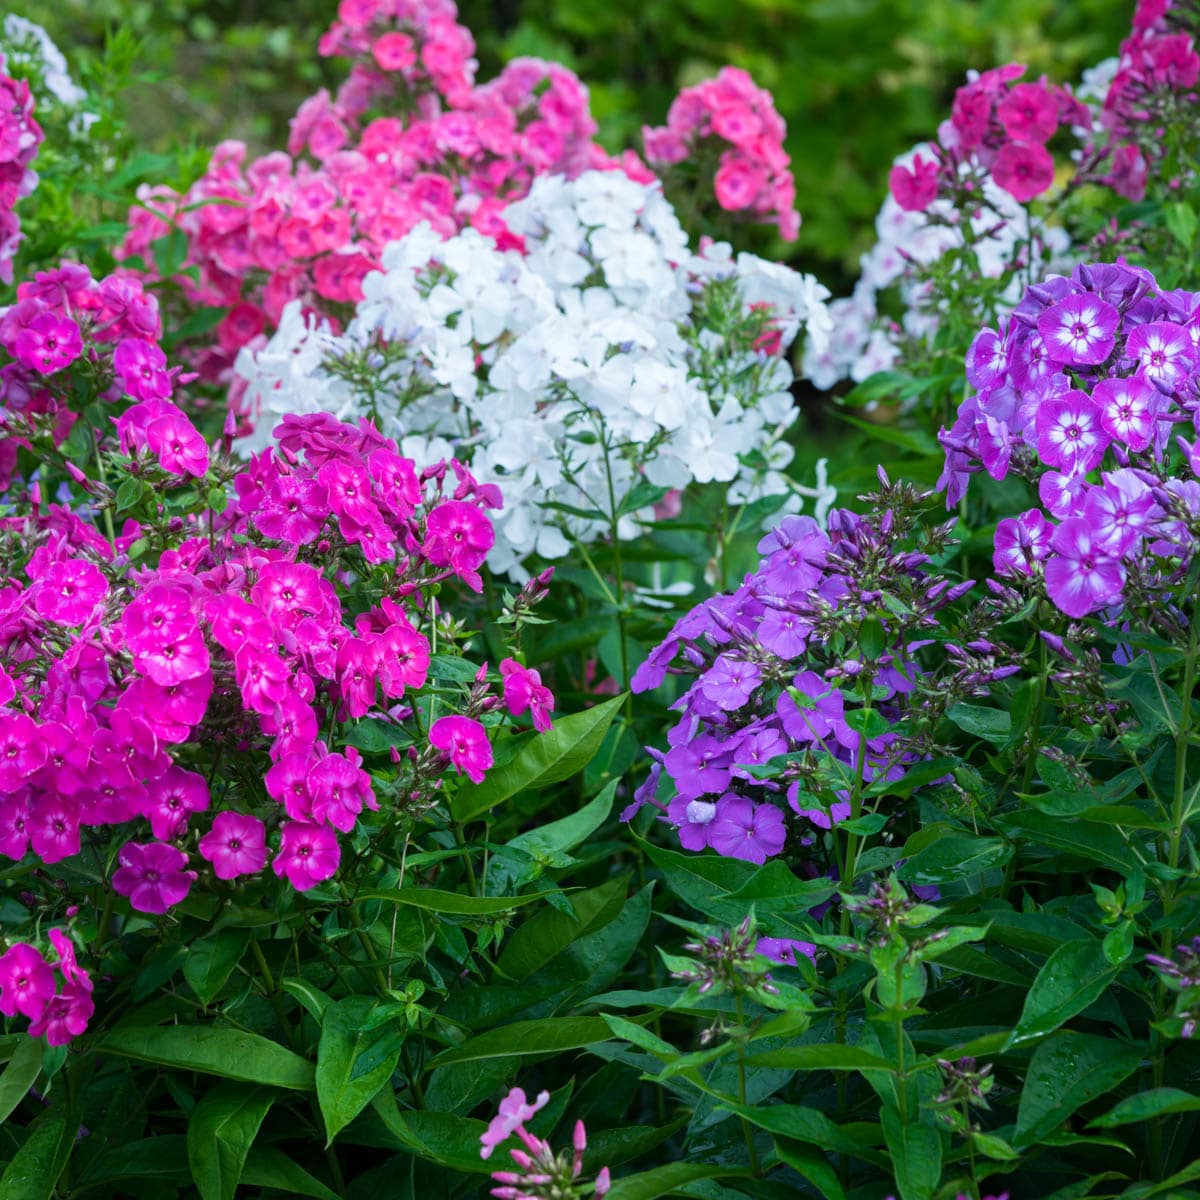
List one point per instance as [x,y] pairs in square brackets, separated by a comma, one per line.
[986,359]
[1023,169]
[915,187]
[340,789]
[65,1016]
[235,845]
[152,875]
[1079,330]
[403,654]
[22,749]
[141,368]
[1021,542]
[1069,433]
[1062,493]
[513,1113]
[294,510]
[357,671]
[178,444]
[287,781]
[1081,576]
[1029,113]
[1128,410]
[523,689]
[173,797]
[70,591]
[48,343]
[459,536]
[465,743]
[308,854]
[26,981]
[1163,351]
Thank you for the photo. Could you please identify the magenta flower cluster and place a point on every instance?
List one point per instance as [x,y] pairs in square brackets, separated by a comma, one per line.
[737,120]
[1089,390]
[766,683]
[20,138]
[55,996]
[998,128]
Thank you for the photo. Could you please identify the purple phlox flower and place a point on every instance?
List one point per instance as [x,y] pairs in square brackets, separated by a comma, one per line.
[647,792]
[742,829]
[1192,450]
[1069,433]
[785,950]
[1029,361]
[1118,283]
[1162,349]
[692,820]
[1080,330]
[1128,409]
[1173,536]
[782,632]
[654,669]
[1119,511]
[811,723]
[730,682]
[700,767]
[986,359]
[1003,403]
[1081,577]
[822,818]
[955,476]
[1020,542]
[757,744]
[1062,494]
[995,447]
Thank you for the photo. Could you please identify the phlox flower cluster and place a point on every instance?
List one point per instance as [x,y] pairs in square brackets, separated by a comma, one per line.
[732,120]
[541,1174]
[768,680]
[67,332]
[604,356]
[1153,89]
[20,137]
[1089,391]
[30,50]
[408,139]
[55,996]
[1004,240]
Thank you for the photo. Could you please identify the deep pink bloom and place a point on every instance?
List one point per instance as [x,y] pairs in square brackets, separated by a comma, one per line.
[340,789]
[26,981]
[48,343]
[523,689]
[742,829]
[465,743]
[22,749]
[403,655]
[914,188]
[141,368]
[1082,577]
[54,827]
[69,591]
[1079,330]
[152,875]
[514,1112]
[738,183]
[236,845]
[459,536]
[172,798]
[1023,169]
[178,444]
[66,1015]
[1029,113]
[308,854]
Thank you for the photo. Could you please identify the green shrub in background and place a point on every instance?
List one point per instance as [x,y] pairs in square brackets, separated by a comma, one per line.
[858,81]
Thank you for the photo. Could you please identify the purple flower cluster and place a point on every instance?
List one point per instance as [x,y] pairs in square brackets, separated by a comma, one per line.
[1087,391]
[770,679]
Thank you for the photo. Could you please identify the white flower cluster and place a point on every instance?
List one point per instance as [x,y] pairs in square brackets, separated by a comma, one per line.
[864,341]
[602,364]
[26,45]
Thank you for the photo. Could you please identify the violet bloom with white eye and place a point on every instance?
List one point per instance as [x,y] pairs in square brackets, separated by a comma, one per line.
[1080,330]
[1162,349]
[1120,511]
[1128,410]
[1062,494]
[995,446]
[730,682]
[1020,542]
[1069,435]
[1082,577]
[986,359]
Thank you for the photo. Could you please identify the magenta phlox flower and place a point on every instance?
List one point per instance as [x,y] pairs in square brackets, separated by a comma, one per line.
[287,781]
[235,845]
[286,591]
[785,950]
[986,359]
[294,510]
[1174,536]
[308,854]
[464,741]
[742,829]
[1080,330]
[1021,542]
[692,820]
[65,1016]
[152,875]
[1069,434]
[141,368]
[1162,350]
[523,689]
[264,679]
[1023,169]
[69,591]
[514,1111]
[1128,410]
[340,789]
[1029,360]
[178,444]
[1120,511]
[995,446]
[22,750]
[915,187]
[1029,113]
[239,625]
[172,797]
[1081,577]
[48,343]
[173,711]
[730,682]
[14,824]
[26,981]
[1062,494]
[68,966]
[357,665]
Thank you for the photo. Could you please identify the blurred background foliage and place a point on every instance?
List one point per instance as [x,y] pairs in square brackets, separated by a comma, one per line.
[858,81]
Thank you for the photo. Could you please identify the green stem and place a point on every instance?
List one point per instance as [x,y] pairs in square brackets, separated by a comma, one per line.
[747,1132]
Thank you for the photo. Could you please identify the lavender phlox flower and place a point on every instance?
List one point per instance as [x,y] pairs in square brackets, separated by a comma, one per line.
[1162,349]
[1020,543]
[1080,330]
[1082,577]
[1069,433]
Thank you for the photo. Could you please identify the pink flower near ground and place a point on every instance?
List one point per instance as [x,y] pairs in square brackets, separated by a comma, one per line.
[236,845]
[914,188]
[514,1111]
[465,743]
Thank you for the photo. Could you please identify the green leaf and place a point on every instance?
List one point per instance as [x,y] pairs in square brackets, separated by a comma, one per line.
[545,759]
[220,1132]
[451,903]
[1066,1072]
[992,724]
[1182,223]
[916,1151]
[1070,980]
[813,1166]
[211,960]
[831,1056]
[955,857]
[1099,843]
[19,1074]
[567,833]
[34,1170]
[808,1125]
[443,1138]
[156,1159]
[549,1036]
[668,1180]
[230,1053]
[1145,1105]
[356,1057]
[170,252]
[267,1167]
[314,1001]
[869,722]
